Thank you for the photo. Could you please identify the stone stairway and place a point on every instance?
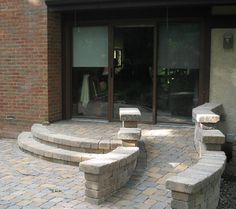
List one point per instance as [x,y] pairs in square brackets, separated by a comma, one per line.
[72,149]
[63,148]
[27,143]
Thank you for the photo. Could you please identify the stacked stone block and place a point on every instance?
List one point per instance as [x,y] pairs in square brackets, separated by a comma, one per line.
[107,173]
[129,133]
[207,136]
[212,139]
[198,187]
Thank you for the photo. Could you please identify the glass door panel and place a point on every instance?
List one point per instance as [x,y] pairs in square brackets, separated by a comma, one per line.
[178,71]
[90,72]
[133,69]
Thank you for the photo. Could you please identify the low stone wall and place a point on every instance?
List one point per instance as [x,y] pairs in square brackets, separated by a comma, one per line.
[198,187]
[207,136]
[109,172]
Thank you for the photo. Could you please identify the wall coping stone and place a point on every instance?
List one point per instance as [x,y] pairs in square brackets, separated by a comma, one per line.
[114,159]
[198,176]
[129,114]
[207,113]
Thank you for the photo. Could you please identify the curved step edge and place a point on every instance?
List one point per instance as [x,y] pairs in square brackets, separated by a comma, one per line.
[42,133]
[28,143]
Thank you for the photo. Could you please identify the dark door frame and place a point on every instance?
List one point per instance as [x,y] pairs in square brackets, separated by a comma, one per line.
[110,72]
[67,25]
[66,67]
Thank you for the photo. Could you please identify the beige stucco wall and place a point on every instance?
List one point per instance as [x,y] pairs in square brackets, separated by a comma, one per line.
[223,77]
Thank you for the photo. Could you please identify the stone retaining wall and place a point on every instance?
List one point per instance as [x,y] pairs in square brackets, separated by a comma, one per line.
[198,187]
[108,173]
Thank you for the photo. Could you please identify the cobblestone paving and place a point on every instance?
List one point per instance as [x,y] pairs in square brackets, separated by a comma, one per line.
[99,130]
[28,182]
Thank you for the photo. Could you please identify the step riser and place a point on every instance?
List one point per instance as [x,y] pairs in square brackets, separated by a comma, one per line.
[71,148]
[49,159]
[27,143]
[86,145]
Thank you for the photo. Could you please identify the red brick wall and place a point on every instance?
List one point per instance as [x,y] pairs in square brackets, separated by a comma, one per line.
[54,67]
[25,71]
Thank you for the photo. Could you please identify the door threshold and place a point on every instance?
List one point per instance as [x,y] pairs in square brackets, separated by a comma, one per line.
[175,125]
[90,120]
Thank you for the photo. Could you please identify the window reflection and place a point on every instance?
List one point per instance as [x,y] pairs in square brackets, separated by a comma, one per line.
[178,71]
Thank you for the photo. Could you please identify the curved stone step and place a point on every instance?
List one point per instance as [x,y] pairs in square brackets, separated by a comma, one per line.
[29,144]
[73,143]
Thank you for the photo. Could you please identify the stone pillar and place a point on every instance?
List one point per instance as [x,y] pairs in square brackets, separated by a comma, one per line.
[129,133]
[207,136]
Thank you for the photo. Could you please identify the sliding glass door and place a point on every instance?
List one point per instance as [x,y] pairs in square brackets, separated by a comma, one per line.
[112,69]
[121,66]
[90,72]
[178,71]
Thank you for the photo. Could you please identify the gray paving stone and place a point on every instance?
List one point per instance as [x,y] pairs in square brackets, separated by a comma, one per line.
[57,185]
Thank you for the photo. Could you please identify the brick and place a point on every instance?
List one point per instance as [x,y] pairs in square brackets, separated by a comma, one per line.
[94,200]
[94,185]
[182,204]
[129,124]
[128,143]
[30,69]
[129,134]
[95,194]
[182,196]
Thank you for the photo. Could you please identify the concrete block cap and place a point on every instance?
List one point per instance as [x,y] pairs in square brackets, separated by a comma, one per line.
[130,114]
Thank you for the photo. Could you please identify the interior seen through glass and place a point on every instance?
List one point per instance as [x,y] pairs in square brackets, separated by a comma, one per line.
[90,72]
[133,66]
[133,58]
[178,71]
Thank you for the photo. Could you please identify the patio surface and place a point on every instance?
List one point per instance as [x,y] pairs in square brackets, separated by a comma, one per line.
[29,182]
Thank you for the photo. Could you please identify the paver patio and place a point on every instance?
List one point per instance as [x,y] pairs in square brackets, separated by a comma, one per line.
[29,182]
